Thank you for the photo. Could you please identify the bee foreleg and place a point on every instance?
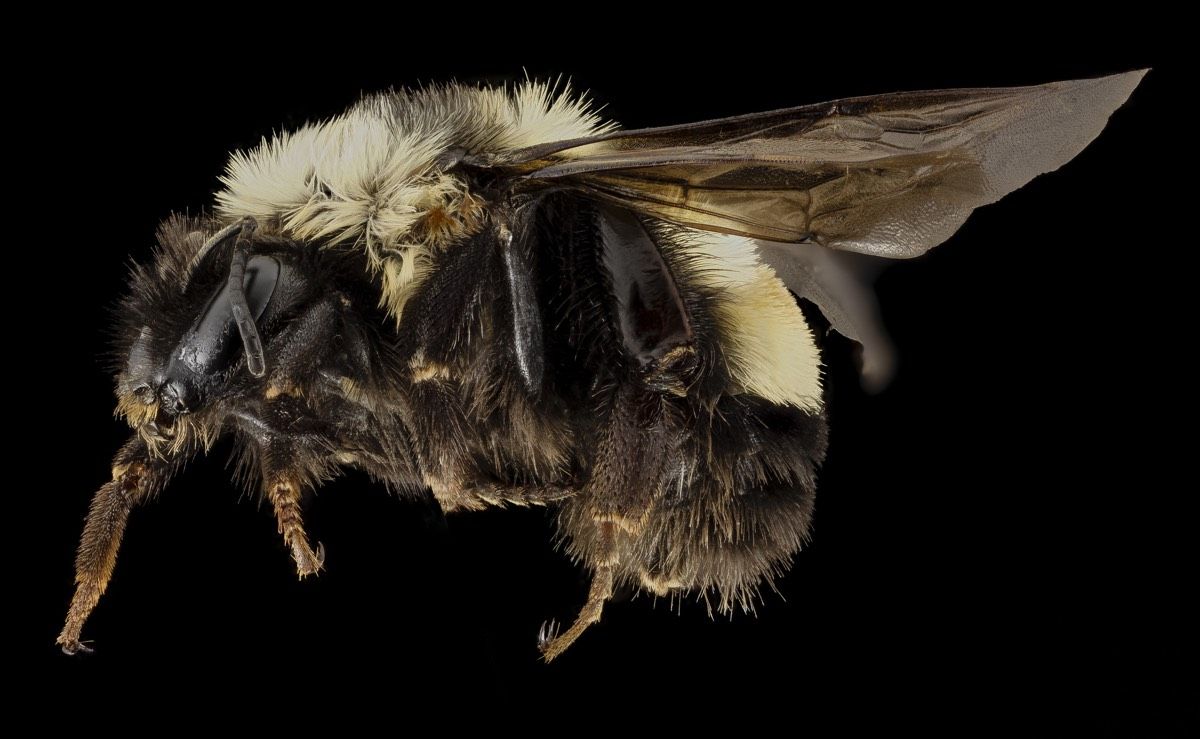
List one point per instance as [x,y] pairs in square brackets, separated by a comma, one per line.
[137,476]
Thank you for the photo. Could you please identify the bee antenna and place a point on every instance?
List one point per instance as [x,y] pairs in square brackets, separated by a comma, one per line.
[256,361]
[209,245]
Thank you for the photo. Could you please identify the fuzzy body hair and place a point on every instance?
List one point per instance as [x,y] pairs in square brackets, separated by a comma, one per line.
[371,177]
[404,329]
[478,294]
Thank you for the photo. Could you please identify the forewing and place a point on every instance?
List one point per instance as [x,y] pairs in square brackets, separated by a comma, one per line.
[890,175]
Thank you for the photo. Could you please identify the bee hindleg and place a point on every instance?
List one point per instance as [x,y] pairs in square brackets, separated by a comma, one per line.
[137,476]
[630,463]
[550,643]
[628,469]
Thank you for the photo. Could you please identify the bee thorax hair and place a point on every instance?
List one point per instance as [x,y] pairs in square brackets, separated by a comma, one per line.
[373,176]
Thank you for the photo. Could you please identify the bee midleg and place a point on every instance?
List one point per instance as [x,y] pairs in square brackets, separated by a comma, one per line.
[283,481]
[436,422]
[520,495]
[137,476]
[629,465]
[289,453]
[435,419]
[457,489]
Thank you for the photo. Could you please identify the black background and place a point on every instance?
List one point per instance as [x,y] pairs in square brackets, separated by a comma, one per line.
[999,536]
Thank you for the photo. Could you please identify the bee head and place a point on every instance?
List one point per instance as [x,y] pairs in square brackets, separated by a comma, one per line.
[196,324]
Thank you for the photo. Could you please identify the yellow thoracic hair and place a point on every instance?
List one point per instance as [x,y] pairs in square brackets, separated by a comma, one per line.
[369,176]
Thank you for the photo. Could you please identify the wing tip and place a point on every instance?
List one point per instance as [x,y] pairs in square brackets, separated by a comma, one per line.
[1122,84]
[1108,92]
[1078,109]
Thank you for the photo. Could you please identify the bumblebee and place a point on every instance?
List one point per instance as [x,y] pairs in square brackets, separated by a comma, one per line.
[490,295]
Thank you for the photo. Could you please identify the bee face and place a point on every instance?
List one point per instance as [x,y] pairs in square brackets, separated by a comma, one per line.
[188,353]
[138,387]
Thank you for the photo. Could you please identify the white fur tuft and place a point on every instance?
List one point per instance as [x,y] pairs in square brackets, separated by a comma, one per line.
[369,176]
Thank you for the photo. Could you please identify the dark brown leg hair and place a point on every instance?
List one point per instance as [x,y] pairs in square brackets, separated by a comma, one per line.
[137,477]
[627,473]
[446,462]
[631,457]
